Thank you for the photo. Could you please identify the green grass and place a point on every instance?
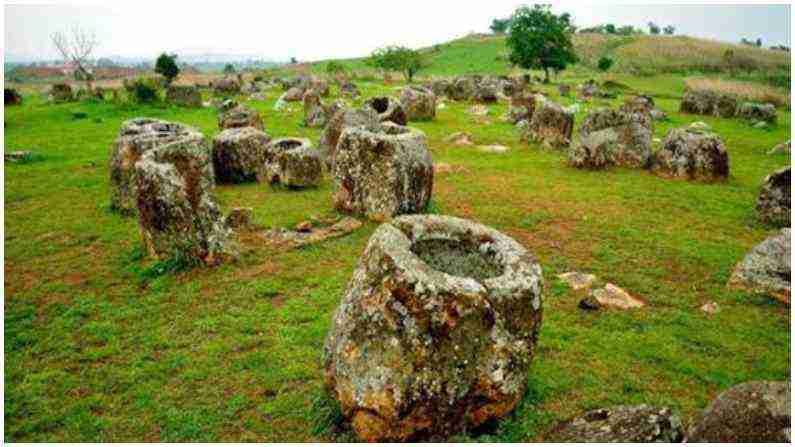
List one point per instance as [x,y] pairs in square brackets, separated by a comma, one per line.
[102,344]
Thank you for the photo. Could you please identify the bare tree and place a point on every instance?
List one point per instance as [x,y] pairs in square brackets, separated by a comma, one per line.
[76,48]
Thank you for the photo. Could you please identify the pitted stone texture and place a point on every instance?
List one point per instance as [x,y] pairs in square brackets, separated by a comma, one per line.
[226,86]
[415,352]
[239,154]
[136,137]
[707,102]
[773,203]
[624,423]
[314,110]
[300,166]
[487,90]
[440,87]
[595,151]
[752,111]
[462,88]
[630,144]
[521,107]
[178,215]
[184,95]
[749,412]
[339,121]
[240,116]
[388,109]
[294,94]
[766,269]
[419,103]
[350,89]
[551,125]
[272,168]
[692,154]
[239,218]
[638,104]
[384,173]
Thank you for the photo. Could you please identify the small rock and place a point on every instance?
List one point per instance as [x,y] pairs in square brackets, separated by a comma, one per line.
[460,139]
[17,156]
[494,148]
[760,125]
[614,296]
[577,280]
[479,110]
[304,227]
[781,148]
[766,268]
[700,125]
[295,239]
[710,308]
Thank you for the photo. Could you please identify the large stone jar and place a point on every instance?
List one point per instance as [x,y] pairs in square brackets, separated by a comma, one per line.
[436,330]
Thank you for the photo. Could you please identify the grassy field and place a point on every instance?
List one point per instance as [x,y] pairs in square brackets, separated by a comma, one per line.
[102,344]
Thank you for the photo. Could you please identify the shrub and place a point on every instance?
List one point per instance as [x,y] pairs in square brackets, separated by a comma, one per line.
[605,63]
[144,90]
[166,65]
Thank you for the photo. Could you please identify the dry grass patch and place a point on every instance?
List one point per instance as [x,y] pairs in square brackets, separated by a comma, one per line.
[744,90]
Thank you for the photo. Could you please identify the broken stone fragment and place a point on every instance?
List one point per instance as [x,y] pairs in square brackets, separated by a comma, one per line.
[578,280]
[388,109]
[773,202]
[613,296]
[240,116]
[305,235]
[766,268]
[624,423]
[436,330]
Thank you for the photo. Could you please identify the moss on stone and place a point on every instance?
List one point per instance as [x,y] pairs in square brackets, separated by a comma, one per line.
[457,258]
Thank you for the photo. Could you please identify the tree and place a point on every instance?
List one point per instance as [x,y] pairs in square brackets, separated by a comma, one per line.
[669,30]
[653,28]
[604,63]
[229,69]
[610,28]
[759,42]
[395,58]
[540,39]
[500,26]
[334,67]
[76,49]
[166,65]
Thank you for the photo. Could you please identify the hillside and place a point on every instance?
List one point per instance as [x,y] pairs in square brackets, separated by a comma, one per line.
[639,55]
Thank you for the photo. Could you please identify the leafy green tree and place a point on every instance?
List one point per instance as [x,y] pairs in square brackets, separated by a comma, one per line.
[229,69]
[610,28]
[604,63]
[396,58]
[653,28]
[166,65]
[669,30]
[500,26]
[540,39]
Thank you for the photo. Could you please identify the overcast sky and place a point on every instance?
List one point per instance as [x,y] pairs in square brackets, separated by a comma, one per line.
[310,30]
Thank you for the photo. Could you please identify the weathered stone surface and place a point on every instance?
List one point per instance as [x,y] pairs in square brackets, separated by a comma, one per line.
[638,104]
[225,105]
[589,89]
[551,125]
[239,218]
[766,269]
[310,234]
[314,110]
[440,87]
[299,165]
[749,412]
[239,154]
[478,110]
[773,203]
[226,86]
[178,215]
[462,88]
[184,95]
[707,102]
[294,94]
[752,111]
[486,91]
[388,109]
[624,423]
[383,173]
[136,137]
[460,139]
[240,116]
[578,280]
[595,151]
[613,296]
[419,103]
[11,97]
[710,308]
[522,106]
[346,117]
[436,330]
[350,89]
[61,93]
[692,154]
[628,145]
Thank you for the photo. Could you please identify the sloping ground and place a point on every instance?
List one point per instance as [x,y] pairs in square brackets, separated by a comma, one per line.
[642,55]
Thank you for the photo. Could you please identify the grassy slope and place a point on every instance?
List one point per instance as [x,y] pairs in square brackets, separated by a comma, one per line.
[98,348]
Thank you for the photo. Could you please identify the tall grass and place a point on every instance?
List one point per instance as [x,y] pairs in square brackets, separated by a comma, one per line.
[744,90]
